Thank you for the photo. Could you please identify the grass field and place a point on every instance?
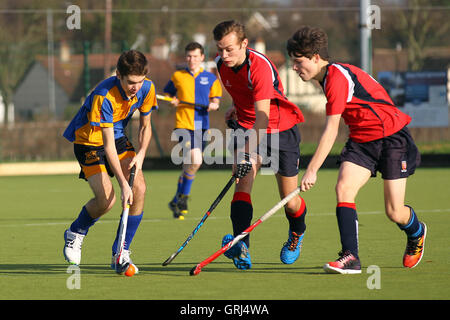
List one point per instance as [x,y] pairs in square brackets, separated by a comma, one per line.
[37,210]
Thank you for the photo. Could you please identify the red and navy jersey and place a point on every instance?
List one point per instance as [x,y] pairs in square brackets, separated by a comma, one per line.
[364,104]
[257,79]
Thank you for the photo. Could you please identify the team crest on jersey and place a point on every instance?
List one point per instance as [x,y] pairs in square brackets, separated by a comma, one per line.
[91,157]
[404,167]
[204,80]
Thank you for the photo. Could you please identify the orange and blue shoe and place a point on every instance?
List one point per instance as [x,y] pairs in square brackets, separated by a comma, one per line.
[414,249]
[239,253]
[291,249]
[347,263]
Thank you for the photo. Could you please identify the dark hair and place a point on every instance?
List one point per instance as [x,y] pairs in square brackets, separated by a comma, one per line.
[132,62]
[308,41]
[194,46]
[226,27]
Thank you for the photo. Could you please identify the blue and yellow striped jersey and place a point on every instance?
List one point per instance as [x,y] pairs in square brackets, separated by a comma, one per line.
[108,106]
[193,88]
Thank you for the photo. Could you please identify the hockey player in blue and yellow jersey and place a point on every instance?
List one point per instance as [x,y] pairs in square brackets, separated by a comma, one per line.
[102,148]
[202,88]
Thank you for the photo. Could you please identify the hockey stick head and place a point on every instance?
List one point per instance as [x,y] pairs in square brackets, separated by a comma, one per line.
[195,270]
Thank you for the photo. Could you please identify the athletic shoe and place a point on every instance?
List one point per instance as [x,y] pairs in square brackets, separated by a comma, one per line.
[346,264]
[175,211]
[72,246]
[414,249]
[291,249]
[239,253]
[126,259]
[182,204]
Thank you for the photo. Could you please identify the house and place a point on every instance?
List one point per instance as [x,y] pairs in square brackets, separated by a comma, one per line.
[32,96]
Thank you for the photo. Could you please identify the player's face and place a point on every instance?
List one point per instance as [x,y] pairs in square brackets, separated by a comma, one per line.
[131,84]
[231,50]
[306,68]
[194,59]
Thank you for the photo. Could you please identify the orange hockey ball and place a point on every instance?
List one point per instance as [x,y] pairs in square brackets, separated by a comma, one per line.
[130,271]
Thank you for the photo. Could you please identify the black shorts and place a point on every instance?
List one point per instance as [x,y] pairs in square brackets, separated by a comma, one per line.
[93,160]
[395,156]
[279,151]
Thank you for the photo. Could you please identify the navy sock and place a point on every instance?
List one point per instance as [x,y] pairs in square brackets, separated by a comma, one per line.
[83,222]
[179,186]
[348,226]
[297,219]
[241,214]
[188,179]
[132,226]
[413,228]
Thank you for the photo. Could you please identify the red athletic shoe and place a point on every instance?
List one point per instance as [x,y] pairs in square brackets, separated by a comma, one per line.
[346,264]
[414,249]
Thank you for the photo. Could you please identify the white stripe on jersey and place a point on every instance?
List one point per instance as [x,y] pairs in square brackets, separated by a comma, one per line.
[351,84]
[267,61]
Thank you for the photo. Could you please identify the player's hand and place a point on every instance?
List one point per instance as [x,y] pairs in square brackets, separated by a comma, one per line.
[213,106]
[243,167]
[175,102]
[126,195]
[308,180]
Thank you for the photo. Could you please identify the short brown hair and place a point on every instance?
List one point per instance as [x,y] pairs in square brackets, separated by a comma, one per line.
[194,46]
[227,27]
[308,41]
[132,62]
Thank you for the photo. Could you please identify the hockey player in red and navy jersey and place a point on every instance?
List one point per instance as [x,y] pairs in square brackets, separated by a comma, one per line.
[378,141]
[259,105]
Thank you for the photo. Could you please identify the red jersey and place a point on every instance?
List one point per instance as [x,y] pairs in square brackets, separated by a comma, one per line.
[257,79]
[364,104]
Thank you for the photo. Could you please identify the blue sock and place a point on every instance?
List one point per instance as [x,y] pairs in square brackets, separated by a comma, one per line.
[187,183]
[179,187]
[413,228]
[83,222]
[132,226]
[348,227]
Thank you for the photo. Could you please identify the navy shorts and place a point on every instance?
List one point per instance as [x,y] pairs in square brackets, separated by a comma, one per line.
[93,160]
[279,151]
[395,156]
[191,139]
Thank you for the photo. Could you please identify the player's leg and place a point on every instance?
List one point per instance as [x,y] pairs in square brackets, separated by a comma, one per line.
[101,203]
[406,219]
[295,211]
[350,180]
[399,160]
[189,171]
[136,209]
[241,215]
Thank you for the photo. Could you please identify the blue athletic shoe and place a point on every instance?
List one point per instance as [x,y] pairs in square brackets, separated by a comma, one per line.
[239,253]
[291,249]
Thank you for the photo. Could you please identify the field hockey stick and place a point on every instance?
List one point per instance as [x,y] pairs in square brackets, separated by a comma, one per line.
[213,206]
[123,229]
[198,268]
[166,98]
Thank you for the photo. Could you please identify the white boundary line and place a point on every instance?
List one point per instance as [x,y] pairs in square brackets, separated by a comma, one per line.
[196,218]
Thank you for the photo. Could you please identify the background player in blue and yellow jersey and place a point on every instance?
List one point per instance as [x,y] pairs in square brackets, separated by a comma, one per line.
[195,86]
[102,148]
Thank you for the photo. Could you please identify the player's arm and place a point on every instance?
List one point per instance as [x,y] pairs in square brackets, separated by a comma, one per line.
[109,145]
[144,137]
[323,149]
